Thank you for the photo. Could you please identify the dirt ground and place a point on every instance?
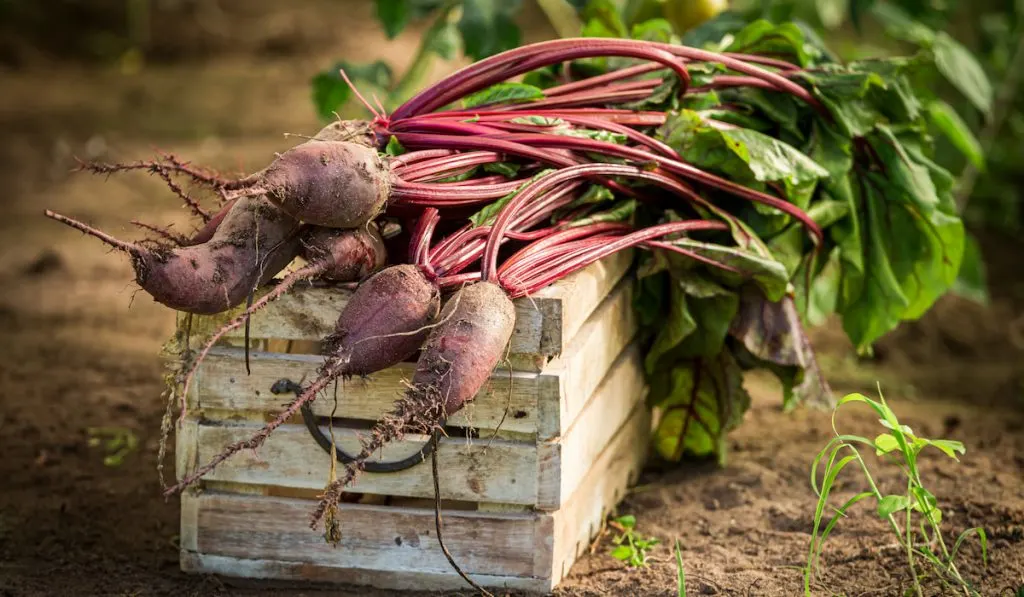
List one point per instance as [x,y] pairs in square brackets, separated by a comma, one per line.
[81,353]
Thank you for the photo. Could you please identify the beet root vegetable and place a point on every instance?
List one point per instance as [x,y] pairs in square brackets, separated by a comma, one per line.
[462,351]
[254,242]
[334,184]
[385,322]
[349,255]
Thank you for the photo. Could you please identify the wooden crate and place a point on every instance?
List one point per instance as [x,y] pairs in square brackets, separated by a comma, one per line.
[529,471]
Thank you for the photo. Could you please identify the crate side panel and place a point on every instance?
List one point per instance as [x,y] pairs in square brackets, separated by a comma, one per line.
[373,537]
[564,461]
[585,362]
[221,384]
[580,294]
[291,572]
[618,467]
[496,471]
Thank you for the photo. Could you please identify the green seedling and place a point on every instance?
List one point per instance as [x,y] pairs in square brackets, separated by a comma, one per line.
[680,571]
[117,442]
[914,516]
[630,548]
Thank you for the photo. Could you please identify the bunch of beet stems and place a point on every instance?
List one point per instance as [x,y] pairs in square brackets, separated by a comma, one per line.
[307,181]
[493,137]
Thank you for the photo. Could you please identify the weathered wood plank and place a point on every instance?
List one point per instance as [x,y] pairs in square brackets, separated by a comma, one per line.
[593,350]
[496,471]
[397,540]
[564,461]
[222,385]
[604,485]
[544,321]
[292,572]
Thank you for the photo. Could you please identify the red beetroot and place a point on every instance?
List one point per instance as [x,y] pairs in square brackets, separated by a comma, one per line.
[335,184]
[350,255]
[254,242]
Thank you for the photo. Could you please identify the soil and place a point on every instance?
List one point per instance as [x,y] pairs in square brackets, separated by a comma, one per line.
[82,354]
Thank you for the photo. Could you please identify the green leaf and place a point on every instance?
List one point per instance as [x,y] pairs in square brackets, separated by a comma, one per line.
[962,69]
[595,193]
[911,237]
[677,325]
[489,27]
[490,211]
[925,502]
[702,401]
[394,147]
[971,281]
[393,15]
[785,40]
[602,19]
[620,212]
[767,273]
[506,169]
[331,93]
[949,447]
[445,42]
[886,443]
[710,33]
[771,332]
[657,30]
[622,552]
[945,118]
[628,521]
[891,504]
[503,93]
[897,23]
[744,155]
[541,121]
[680,572]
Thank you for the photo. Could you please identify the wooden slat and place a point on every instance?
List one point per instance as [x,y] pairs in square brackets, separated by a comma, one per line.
[544,322]
[381,538]
[222,385]
[496,471]
[290,573]
[593,350]
[565,460]
[605,484]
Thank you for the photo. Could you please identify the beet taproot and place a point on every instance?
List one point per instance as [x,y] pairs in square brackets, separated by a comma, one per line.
[335,184]
[254,242]
[349,255]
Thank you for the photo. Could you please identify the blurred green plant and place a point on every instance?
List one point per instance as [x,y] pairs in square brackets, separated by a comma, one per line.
[917,510]
[630,547]
[117,443]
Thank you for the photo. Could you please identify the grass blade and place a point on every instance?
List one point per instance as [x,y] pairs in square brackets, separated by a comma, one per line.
[680,572]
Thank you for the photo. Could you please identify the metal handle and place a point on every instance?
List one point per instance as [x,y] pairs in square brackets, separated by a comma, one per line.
[282,386]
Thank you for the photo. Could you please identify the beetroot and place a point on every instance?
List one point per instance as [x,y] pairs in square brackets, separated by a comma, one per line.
[335,184]
[254,242]
[350,255]
[462,350]
[384,322]
[206,232]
